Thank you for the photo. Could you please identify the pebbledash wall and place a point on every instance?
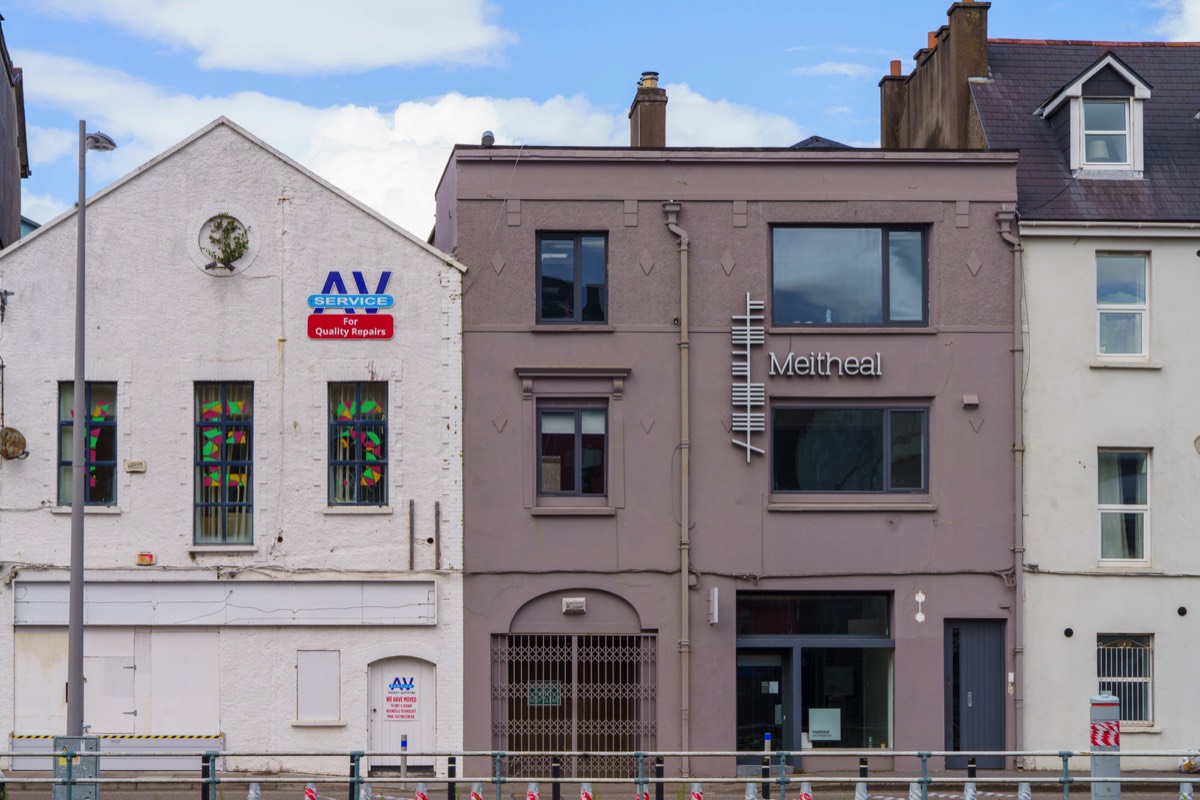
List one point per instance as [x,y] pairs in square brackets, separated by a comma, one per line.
[863,618]
[325,613]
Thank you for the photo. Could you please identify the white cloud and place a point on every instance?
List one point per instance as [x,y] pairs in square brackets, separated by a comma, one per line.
[41,208]
[838,111]
[696,121]
[47,145]
[390,159]
[306,36]
[1180,21]
[837,68]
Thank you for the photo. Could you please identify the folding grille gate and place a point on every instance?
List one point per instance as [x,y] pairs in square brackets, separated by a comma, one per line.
[581,693]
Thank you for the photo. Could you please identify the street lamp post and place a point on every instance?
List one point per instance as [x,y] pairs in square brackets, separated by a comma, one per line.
[87,141]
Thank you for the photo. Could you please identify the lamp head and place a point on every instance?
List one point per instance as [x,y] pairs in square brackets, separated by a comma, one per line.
[99,141]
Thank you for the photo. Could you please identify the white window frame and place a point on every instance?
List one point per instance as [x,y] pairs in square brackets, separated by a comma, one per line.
[1145,643]
[1142,308]
[1118,508]
[1072,94]
[1125,130]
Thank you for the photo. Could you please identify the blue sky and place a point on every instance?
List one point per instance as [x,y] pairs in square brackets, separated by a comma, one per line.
[371,94]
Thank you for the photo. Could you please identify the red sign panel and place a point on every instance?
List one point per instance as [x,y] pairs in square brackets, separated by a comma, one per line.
[351,326]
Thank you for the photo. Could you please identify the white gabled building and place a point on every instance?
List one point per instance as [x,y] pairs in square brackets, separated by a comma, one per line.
[274,515]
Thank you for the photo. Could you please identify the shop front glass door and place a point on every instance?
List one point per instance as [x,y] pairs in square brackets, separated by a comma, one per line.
[762,704]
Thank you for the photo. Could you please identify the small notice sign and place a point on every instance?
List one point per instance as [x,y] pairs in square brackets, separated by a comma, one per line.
[401,701]
[351,326]
[545,693]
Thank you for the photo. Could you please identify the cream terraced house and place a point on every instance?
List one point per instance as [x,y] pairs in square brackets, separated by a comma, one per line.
[273,511]
[1110,228]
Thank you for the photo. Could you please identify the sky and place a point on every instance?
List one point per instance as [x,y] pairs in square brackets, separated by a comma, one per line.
[372,94]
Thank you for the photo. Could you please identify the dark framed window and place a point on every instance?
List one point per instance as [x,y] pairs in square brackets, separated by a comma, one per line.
[572,450]
[572,279]
[99,443]
[813,614]
[849,276]
[358,444]
[224,459]
[850,449]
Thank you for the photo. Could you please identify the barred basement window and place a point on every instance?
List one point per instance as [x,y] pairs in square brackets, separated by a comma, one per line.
[1125,669]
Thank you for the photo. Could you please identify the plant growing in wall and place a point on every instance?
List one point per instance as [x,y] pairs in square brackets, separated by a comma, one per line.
[229,239]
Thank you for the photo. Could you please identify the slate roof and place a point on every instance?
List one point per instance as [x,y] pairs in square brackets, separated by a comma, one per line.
[1025,73]
[817,143]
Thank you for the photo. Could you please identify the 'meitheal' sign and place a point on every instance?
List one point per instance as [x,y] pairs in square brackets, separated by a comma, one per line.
[824,365]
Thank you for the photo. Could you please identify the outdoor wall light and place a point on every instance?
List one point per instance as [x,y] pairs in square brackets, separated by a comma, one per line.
[920,615]
[574,605]
[970,401]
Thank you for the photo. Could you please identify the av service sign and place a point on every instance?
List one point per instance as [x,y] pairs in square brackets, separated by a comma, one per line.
[325,322]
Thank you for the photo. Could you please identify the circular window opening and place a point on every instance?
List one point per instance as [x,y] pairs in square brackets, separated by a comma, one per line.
[224,242]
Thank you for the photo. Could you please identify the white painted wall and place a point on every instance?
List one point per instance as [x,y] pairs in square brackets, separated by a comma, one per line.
[158,322]
[1074,405]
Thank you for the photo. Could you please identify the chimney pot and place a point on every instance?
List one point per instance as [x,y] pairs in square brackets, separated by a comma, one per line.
[932,40]
[648,113]
[896,68]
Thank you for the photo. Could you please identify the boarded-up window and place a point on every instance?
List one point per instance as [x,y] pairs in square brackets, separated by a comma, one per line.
[318,685]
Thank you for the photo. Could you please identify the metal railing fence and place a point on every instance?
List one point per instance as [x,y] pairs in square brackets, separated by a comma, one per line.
[776,776]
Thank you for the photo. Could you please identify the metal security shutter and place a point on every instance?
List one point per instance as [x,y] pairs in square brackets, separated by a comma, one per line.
[564,693]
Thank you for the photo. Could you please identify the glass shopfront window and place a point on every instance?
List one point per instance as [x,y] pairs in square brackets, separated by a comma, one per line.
[815,670]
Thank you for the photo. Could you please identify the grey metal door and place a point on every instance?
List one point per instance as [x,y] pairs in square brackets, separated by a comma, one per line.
[974,691]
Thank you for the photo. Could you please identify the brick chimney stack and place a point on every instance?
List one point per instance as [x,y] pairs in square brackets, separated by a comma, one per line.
[648,114]
[932,107]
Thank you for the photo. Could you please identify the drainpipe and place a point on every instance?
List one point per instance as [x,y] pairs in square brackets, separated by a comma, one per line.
[1005,220]
[671,209]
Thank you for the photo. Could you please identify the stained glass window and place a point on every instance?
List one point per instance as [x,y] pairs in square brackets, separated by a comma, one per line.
[224,457]
[358,444]
[99,443]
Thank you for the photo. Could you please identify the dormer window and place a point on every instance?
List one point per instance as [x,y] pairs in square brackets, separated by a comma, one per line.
[1105,132]
[1099,116]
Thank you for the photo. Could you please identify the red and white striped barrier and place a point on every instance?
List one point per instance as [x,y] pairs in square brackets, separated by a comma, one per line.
[697,791]
[421,793]
[532,792]
[1106,734]
[585,792]
[310,791]
[477,791]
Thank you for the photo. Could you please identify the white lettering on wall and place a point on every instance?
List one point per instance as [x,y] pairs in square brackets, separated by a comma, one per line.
[824,365]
